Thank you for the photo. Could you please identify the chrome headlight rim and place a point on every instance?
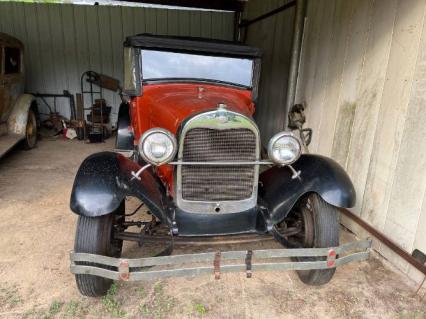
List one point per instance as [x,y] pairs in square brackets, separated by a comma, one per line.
[278,136]
[157,130]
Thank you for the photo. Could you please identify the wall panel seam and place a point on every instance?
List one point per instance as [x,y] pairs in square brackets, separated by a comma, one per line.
[345,61]
[375,137]
[333,35]
[398,147]
[361,74]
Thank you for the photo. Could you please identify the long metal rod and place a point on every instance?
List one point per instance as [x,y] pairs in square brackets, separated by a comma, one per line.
[237,21]
[385,240]
[222,163]
[194,241]
[66,94]
[420,286]
[288,5]
[299,22]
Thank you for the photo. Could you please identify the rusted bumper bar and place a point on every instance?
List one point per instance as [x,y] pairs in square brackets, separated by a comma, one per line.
[133,269]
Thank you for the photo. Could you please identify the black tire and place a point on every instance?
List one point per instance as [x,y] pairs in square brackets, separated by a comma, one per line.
[94,235]
[30,140]
[322,217]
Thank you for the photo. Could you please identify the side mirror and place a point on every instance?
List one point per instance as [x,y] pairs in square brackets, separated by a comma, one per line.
[132,72]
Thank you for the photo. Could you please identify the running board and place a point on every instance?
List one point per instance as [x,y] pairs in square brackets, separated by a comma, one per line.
[136,269]
[7,142]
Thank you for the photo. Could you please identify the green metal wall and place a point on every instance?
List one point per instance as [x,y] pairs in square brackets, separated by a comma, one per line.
[274,36]
[64,40]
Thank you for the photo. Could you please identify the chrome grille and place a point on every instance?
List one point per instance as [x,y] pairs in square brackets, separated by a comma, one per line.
[218,183]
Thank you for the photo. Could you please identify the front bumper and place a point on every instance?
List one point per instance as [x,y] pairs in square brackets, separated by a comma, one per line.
[139,268]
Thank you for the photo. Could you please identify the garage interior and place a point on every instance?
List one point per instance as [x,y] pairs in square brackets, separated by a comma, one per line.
[357,67]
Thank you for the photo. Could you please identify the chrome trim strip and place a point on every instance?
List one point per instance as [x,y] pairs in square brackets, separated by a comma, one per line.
[223,163]
[219,119]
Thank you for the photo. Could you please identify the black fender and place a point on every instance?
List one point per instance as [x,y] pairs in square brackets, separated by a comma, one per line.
[125,137]
[104,180]
[319,174]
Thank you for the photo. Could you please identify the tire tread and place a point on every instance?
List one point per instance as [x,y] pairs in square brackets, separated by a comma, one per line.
[93,236]
[327,235]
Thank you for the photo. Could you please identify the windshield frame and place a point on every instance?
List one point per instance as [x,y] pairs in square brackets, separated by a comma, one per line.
[133,83]
[197,79]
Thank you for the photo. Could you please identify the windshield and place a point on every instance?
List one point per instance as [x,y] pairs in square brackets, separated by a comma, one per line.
[163,65]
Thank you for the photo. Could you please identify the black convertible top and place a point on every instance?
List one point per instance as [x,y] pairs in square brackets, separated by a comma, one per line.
[192,44]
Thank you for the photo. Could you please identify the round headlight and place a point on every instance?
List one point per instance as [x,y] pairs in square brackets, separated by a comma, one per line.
[157,146]
[284,148]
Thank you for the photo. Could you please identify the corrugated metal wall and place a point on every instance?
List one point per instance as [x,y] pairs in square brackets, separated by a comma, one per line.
[363,80]
[62,41]
[274,36]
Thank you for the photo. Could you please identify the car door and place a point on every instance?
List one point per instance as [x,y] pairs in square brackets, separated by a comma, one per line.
[13,84]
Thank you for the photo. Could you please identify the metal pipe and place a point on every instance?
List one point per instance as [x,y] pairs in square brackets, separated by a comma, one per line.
[237,21]
[194,241]
[385,240]
[246,23]
[299,22]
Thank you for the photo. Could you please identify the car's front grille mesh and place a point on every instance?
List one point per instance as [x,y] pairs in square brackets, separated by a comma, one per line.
[219,182]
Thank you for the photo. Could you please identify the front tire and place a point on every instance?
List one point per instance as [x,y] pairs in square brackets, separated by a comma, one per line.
[94,235]
[320,229]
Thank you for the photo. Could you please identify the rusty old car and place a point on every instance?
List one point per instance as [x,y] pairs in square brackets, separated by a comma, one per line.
[189,149]
[18,111]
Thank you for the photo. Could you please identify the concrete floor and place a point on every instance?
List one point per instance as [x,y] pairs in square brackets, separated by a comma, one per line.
[37,232]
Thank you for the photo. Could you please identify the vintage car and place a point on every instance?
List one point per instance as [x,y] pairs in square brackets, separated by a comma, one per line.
[188,148]
[18,111]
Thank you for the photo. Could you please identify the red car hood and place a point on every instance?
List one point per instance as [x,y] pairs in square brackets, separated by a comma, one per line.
[167,105]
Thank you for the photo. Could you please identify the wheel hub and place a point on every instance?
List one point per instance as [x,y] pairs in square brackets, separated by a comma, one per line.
[298,228]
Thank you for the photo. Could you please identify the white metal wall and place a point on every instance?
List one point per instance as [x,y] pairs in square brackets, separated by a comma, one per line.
[62,41]
[363,80]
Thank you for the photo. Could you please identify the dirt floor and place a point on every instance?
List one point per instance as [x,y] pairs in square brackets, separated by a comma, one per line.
[37,233]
